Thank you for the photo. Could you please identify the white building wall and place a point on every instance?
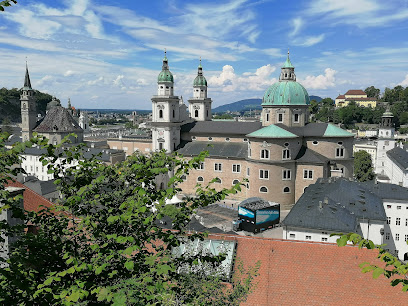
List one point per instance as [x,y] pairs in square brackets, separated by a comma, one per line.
[371,229]
[396,230]
[293,233]
[383,145]
[397,175]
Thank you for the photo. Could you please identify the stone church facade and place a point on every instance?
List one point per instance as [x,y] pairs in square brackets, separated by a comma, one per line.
[279,156]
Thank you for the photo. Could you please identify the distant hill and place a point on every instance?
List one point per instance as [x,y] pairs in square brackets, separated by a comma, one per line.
[247,104]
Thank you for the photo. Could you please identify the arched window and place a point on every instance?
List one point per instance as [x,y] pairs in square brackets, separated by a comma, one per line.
[286,190]
[183,177]
[267,117]
[234,182]
[217,180]
[161,186]
[200,179]
[264,154]
[160,113]
[285,154]
[207,112]
[174,113]
[196,113]
[263,189]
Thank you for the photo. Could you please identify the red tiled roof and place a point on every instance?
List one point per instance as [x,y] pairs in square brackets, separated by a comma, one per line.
[32,201]
[355,92]
[341,97]
[312,273]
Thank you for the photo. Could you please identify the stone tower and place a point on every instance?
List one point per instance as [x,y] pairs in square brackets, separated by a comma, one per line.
[199,104]
[386,140]
[28,108]
[166,114]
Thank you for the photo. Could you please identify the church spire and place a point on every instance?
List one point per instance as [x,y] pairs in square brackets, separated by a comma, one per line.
[288,71]
[27,82]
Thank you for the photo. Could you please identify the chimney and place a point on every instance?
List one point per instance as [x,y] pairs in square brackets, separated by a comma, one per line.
[326,200]
[320,205]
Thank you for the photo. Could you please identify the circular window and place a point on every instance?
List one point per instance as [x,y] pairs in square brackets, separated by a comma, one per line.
[210,138]
[286,144]
[286,190]
[227,139]
[315,142]
[200,179]
[340,143]
[263,189]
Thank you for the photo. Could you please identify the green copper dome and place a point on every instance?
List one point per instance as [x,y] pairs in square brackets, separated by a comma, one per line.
[165,76]
[286,93]
[200,81]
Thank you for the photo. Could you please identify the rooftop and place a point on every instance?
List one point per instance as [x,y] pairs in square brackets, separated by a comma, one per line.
[355,92]
[212,128]
[399,156]
[215,149]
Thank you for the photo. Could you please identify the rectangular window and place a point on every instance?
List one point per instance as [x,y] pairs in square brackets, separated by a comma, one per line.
[267,117]
[296,119]
[264,154]
[280,117]
[264,174]
[397,237]
[324,238]
[387,236]
[285,154]
[406,237]
[406,222]
[218,167]
[160,146]
[398,207]
[236,168]
[308,237]
[291,235]
[201,166]
[247,171]
[308,174]
[388,220]
[286,175]
[388,206]
[398,221]
[339,152]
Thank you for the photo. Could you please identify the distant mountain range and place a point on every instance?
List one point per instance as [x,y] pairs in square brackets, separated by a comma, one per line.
[246,105]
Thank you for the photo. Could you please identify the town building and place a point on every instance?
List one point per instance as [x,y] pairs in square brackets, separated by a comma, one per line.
[376,211]
[358,96]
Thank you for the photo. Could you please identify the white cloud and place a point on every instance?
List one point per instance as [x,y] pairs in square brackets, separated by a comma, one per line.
[97,81]
[362,13]
[321,81]
[227,80]
[118,81]
[46,80]
[308,40]
[69,73]
[405,81]
[297,24]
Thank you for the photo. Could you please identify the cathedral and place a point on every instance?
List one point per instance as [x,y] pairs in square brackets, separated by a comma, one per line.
[280,156]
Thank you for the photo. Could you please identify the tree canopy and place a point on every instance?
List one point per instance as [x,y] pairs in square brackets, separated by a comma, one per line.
[6,3]
[363,166]
[102,242]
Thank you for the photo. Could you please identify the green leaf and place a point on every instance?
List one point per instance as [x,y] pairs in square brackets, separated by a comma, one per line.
[342,241]
[129,265]
[377,272]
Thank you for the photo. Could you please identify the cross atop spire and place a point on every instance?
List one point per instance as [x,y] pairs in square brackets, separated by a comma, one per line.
[27,82]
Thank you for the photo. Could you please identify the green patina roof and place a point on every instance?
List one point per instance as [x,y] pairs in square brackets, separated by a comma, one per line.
[288,63]
[334,131]
[165,76]
[286,93]
[200,81]
[272,131]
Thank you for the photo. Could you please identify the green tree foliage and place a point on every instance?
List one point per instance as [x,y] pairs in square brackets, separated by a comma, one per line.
[326,110]
[224,116]
[372,92]
[393,267]
[363,166]
[101,244]
[6,3]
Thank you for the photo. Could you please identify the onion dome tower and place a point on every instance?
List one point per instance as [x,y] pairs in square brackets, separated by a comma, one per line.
[166,114]
[28,108]
[286,101]
[199,104]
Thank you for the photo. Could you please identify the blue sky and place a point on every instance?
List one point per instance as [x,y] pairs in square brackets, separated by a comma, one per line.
[107,54]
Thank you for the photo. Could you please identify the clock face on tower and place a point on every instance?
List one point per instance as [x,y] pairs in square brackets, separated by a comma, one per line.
[161,133]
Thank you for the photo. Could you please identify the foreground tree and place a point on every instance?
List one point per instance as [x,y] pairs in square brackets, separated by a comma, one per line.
[363,166]
[102,244]
[5,3]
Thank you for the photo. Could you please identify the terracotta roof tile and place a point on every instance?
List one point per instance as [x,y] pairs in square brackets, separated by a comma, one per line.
[355,92]
[313,273]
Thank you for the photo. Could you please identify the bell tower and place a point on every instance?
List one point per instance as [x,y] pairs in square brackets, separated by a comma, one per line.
[28,108]
[166,114]
[386,140]
[199,104]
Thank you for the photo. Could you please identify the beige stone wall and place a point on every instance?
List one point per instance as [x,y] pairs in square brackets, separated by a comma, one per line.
[288,115]
[301,183]
[130,146]
[327,146]
[275,184]
[226,175]
[275,147]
